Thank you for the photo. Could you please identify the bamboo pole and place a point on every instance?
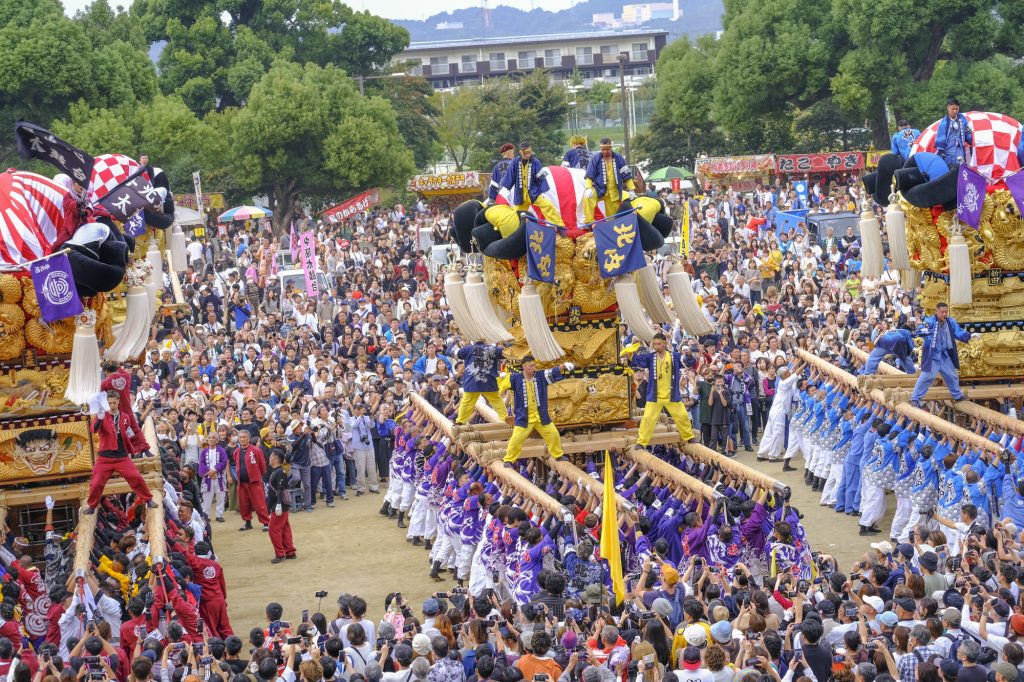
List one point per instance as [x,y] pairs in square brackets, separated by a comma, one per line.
[990,417]
[673,474]
[916,414]
[433,414]
[155,524]
[570,471]
[512,479]
[86,537]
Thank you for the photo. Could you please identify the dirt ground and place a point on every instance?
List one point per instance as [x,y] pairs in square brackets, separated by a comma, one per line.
[353,549]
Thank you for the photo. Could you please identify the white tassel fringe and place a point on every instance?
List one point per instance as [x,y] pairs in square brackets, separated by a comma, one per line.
[871,244]
[651,297]
[179,258]
[909,279]
[896,227]
[684,299]
[84,377]
[479,305]
[131,337]
[631,310]
[542,342]
[455,294]
[960,292]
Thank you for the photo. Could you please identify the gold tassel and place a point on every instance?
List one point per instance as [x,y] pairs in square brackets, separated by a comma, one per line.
[84,375]
[630,309]
[909,279]
[684,300]
[870,242]
[650,295]
[542,342]
[959,268]
[482,310]
[896,227]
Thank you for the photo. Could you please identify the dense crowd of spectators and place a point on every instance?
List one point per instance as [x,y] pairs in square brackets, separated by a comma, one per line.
[317,391]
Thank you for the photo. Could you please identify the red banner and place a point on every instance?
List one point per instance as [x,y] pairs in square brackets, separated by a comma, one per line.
[349,207]
[819,163]
[677,184]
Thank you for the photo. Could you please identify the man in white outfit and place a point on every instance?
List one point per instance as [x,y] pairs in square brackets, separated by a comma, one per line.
[774,437]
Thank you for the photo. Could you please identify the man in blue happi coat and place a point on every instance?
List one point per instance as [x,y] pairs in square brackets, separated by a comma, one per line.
[939,356]
[954,137]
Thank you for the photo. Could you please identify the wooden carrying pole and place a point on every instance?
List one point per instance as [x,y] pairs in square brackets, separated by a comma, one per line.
[991,417]
[734,469]
[665,470]
[907,410]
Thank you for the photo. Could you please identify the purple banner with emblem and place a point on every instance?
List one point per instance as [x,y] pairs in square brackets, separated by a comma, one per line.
[55,288]
[970,195]
[1015,183]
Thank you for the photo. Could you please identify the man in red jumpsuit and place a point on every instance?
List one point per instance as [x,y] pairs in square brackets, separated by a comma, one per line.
[118,379]
[213,605]
[118,441]
[250,465]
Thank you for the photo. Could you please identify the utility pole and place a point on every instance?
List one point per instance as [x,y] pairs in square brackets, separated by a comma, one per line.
[623,58]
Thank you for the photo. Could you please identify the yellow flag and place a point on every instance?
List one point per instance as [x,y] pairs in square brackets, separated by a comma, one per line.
[610,532]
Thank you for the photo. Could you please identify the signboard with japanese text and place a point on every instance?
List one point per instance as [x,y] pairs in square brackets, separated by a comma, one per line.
[363,201]
[211,201]
[467,182]
[830,162]
[757,164]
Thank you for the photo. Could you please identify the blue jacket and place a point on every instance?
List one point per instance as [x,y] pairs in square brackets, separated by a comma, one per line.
[648,360]
[482,366]
[928,329]
[899,342]
[540,384]
[420,366]
[577,157]
[538,181]
[497,175]
[596,173]
[903,141]
[951,140]
[932,166]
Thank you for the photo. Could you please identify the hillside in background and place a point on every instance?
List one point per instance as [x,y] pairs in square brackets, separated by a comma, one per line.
[698,17]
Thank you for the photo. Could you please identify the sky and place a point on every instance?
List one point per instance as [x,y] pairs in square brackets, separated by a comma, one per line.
[397,9]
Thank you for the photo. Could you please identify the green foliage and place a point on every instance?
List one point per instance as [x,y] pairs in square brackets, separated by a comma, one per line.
[801,75]
[305,132]
[457,123]
[533,109]
[599,93]
[414,105]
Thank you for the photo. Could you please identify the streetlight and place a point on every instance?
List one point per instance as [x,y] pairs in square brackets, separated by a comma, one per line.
[623,58]
[360,79]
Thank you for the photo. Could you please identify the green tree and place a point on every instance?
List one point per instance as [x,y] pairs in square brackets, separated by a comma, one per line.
[600,93]
[457,124]
[533,109]
[306,135]
[414,105]
[911,57]
[49,61]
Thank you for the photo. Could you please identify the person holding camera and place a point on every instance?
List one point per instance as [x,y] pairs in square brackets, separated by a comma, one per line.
[360,426]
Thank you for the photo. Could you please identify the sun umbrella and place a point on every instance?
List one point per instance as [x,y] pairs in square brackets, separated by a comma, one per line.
[667,173]
[245,213]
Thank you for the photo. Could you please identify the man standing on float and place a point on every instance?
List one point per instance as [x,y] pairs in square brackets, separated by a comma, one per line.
[530,407]
[607,175]
[663,369]
[480,378]
[525,184]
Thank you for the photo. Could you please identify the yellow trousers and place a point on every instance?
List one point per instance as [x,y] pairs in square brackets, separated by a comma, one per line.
[468,404]
[549,432]
[611,206]
[550,211]
[651,413]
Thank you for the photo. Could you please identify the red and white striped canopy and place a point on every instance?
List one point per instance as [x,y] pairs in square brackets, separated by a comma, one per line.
[31,209]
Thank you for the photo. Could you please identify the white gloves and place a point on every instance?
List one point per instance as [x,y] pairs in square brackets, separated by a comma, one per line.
[278,510]
[568,366]
[589,193]
[631,194]
[49,502]
[975,335]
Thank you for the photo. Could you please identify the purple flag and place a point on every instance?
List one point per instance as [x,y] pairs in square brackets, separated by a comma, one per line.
[55,288]
[135,225]
[293,244]
[970,195]
[1015,183]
